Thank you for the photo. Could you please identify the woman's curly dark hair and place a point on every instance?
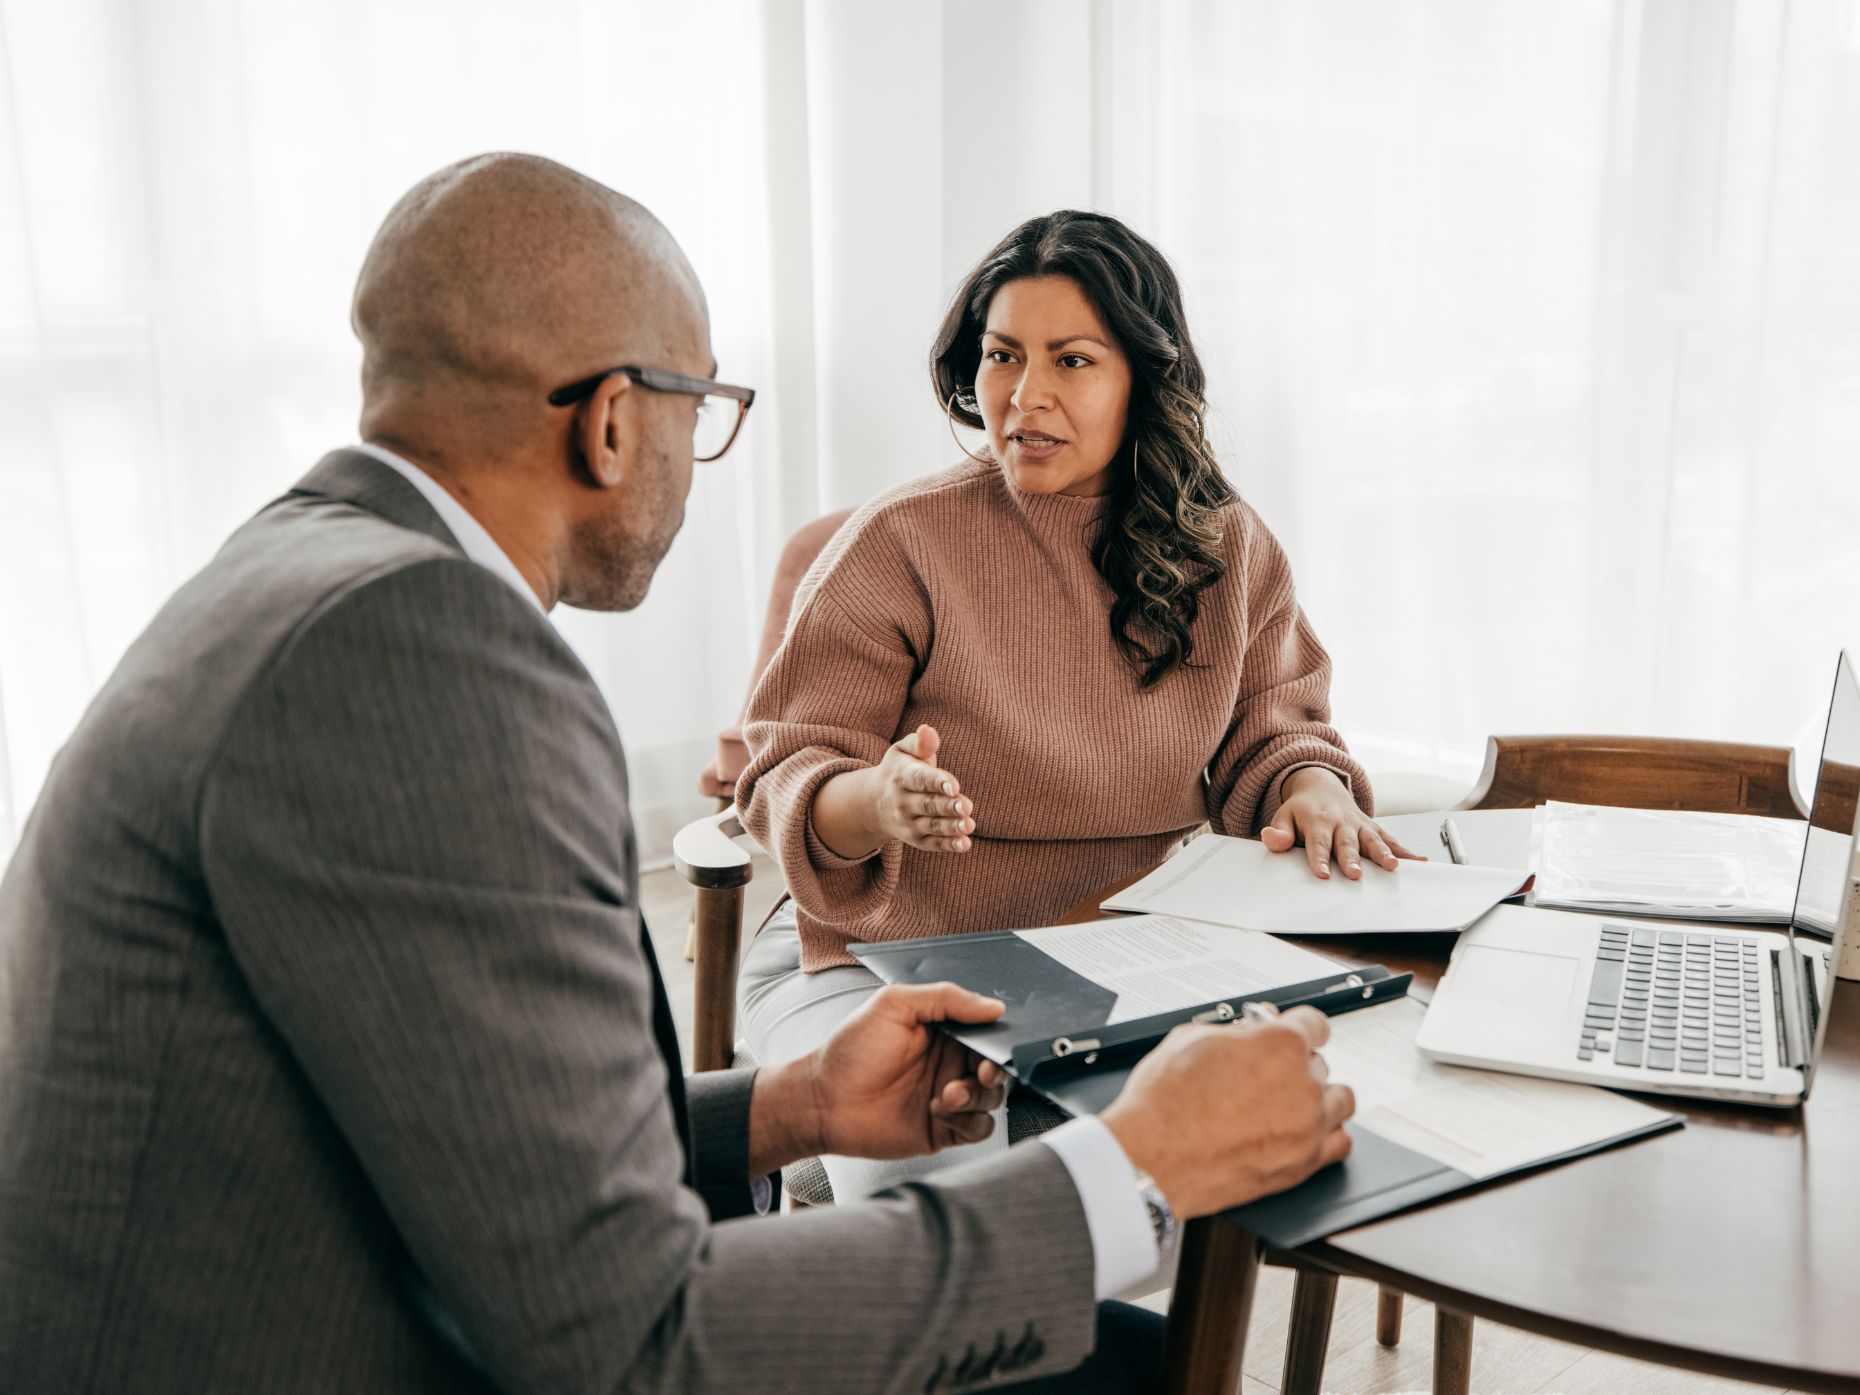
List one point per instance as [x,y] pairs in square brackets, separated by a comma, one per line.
[1159,548]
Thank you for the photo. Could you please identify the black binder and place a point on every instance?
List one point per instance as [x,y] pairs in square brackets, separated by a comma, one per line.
[1056,1039]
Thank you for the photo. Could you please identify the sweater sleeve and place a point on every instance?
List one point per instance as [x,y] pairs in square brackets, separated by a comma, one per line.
[830,701]
[1281,718]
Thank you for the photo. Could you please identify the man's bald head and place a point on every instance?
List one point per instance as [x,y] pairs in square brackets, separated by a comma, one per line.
[501,278]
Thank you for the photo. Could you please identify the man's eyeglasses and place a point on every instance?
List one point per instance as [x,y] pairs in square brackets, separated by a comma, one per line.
[720,411]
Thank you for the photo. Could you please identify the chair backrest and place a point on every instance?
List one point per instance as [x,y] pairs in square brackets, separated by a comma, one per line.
[718,779]
[1635,772]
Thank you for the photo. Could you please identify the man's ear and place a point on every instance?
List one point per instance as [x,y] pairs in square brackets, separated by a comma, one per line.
[606,431]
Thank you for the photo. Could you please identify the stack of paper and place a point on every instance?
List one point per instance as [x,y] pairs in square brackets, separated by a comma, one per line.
[1237,882]
[1739,868]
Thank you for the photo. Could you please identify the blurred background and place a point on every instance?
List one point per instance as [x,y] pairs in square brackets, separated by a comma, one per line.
[1533,325]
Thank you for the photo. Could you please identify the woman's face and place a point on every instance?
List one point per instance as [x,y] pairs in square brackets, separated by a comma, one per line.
[1053,387]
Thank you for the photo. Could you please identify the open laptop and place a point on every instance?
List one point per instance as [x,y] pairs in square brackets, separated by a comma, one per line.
[1666,1006]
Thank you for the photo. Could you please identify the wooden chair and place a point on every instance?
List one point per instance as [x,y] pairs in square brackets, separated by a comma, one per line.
[1636,772]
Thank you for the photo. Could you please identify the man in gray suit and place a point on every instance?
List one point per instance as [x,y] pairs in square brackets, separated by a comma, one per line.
[335,1056]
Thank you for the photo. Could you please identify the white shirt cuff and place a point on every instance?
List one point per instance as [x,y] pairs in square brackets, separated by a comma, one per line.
[1123,1243]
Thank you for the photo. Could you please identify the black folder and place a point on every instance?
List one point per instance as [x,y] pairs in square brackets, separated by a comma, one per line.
[1056,1038]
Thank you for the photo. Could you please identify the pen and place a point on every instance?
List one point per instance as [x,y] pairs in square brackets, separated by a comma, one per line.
[1451,837]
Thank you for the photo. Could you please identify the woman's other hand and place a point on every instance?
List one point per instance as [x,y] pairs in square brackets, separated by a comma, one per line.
[904,797]
[1318,812]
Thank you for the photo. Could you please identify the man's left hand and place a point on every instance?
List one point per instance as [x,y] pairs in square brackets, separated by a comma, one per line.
[886,1084]
[1319,812]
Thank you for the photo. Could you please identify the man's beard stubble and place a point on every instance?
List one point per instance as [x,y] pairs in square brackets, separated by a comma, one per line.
[618,552]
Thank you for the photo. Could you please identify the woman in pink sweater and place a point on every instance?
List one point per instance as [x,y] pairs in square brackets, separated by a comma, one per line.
[1013,681]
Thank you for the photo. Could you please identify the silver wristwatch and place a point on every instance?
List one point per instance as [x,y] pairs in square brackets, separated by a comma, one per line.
[1162,1219]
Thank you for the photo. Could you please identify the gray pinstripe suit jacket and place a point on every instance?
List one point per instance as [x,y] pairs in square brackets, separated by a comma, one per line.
[329,1061]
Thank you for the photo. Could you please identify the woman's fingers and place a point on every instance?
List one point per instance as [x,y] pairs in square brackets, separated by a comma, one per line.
[924,841]
[931,806]
[1375,845]
[927,779]
[1282,833]
[1343,843]
[1317,848]
[924,806]
[937,818]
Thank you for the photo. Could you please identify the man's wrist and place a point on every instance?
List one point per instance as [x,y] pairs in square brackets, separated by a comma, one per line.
[1126,1239]
[1162,1214]
[785,1122]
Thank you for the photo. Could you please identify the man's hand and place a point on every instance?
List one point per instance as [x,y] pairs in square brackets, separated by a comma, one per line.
[886,1084]
[1220,1116]
[904,797]
[1318,811]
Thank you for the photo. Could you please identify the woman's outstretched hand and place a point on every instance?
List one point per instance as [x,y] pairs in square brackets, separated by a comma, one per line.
[904,797]
[1319,812]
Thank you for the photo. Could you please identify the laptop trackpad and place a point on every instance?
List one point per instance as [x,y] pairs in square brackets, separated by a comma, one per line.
[1511,997]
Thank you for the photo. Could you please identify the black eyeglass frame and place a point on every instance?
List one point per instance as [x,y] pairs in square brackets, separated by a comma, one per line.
[664,380]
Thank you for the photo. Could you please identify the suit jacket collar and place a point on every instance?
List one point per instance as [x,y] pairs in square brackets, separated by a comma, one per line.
[360,479]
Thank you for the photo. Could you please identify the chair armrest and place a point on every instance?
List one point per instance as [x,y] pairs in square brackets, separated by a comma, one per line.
[714,852]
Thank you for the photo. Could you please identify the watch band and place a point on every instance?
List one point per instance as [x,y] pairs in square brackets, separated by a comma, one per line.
[1162,1216]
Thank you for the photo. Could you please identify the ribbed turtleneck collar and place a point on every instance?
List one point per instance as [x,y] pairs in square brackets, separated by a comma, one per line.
[1052,509]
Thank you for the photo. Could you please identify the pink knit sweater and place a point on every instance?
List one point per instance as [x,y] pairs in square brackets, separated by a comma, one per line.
[960,601]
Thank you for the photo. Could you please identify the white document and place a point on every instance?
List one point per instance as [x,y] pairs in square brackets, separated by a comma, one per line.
[1236,882]
[1739,868]
[1158,964]
[1481,1122]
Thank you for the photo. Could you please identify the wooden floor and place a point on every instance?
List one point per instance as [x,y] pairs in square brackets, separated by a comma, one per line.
[1505,1361]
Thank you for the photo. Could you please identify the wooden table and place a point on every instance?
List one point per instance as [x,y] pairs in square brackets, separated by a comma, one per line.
[1731,1246]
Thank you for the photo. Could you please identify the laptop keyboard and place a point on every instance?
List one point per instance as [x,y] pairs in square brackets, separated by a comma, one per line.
[1675,1000]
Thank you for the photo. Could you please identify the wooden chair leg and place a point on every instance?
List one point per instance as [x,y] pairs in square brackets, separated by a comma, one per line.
[1208,1314]
[1388,1315]
[1453,1338]
[1314,1298]
[719,912]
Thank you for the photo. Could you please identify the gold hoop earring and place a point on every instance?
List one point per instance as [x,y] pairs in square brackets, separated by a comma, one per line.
[949,413]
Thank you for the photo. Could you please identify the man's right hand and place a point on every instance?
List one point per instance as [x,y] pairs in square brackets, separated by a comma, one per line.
[904,797]
[1220,1116]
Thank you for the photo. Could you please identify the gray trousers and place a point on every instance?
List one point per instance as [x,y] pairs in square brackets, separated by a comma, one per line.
[785,1013]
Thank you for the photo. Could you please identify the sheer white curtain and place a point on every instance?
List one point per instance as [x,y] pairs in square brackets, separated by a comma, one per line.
[1535,333]
[186,191]
[1534,328]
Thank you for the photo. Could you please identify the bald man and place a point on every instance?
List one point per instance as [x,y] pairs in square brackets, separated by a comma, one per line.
[335,1056]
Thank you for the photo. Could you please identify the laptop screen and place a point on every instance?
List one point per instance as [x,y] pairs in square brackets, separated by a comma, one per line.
[1823,892]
